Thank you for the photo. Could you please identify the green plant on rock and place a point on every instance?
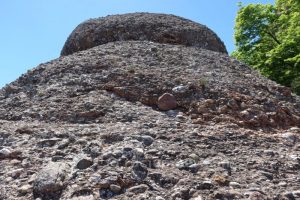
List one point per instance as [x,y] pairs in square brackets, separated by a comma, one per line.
[203,82]
[296,85]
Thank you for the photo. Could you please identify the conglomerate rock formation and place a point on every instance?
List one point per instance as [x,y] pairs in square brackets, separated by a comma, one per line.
[159,28]
[148,120]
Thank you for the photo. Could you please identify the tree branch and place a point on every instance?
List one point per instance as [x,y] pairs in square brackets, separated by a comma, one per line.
[273,37]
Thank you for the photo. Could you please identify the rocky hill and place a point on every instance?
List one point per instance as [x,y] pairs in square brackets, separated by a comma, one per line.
[158,28]
[142,117]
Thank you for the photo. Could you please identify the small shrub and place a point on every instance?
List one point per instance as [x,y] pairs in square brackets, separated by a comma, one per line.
[296,85]
[203,82]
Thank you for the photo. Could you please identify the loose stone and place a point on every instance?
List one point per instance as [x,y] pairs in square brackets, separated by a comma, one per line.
[167,102]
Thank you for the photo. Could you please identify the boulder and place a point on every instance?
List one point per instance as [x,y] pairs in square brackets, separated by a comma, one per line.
[50,181]
[160,28]
[166,102]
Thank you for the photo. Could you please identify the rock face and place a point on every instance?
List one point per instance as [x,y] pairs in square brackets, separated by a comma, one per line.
[159,28]
[94,119]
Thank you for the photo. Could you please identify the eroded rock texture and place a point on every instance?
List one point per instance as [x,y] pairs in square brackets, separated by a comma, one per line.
[159,28]
[148,120]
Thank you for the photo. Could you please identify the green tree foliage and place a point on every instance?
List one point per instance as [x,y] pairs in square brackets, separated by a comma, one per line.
[267,37]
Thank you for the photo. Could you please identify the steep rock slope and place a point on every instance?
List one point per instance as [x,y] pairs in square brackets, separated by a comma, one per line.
[91,126]
[208,86]
[161,28]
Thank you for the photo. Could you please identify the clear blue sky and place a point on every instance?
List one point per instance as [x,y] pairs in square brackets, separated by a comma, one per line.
[34,31]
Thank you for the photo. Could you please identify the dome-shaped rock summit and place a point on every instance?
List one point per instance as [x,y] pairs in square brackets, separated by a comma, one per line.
[161,28]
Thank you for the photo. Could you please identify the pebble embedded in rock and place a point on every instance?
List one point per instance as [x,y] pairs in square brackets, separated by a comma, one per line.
[139,171]
[225,164]
[113,163]
[194,168]
[267,174]
[289,195]
[63,144]
[185,164]
[115,188]
[269,152]
[107,155]
[128,152]
[205,185]
[138,189]
[296,193]
[147,140]
[117,153]
[48,142]
[25,189]
[84,163]
[16,173]
[282,184]
[290,138]
[89,197]
[181,89]
[172,113]
[194,157]
[4,153]
[206,162]
[234,185]
[139,154]
[167,102]
[8,153]
[106,193]
[57,158]
[197,198]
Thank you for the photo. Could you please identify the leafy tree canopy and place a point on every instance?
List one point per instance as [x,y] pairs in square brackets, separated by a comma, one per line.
[267,37]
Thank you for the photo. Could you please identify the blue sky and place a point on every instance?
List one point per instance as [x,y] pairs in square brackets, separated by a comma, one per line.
[34,31]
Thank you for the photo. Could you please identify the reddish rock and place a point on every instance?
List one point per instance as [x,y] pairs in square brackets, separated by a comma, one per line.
[167,102]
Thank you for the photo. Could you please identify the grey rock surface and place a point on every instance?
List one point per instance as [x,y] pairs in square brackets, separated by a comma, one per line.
[85,88]
[94,117]
[161,28]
